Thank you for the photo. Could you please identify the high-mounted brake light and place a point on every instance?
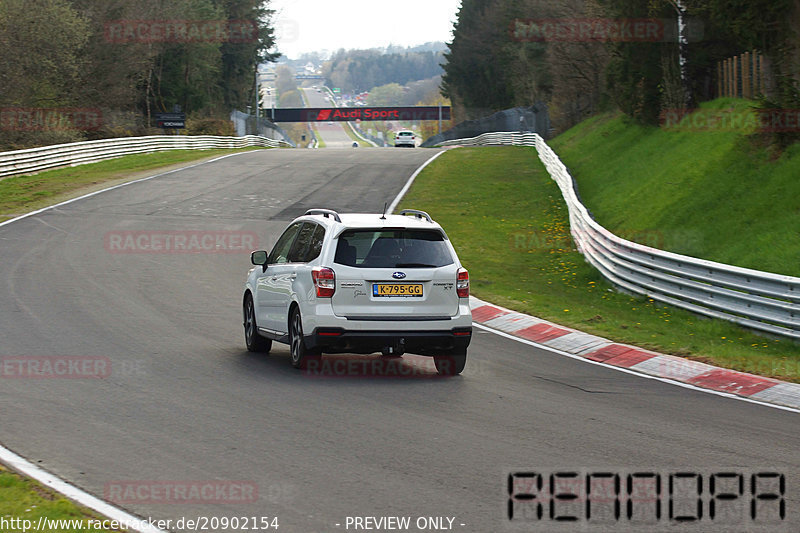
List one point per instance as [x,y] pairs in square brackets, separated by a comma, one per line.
[462,283]
[324,282]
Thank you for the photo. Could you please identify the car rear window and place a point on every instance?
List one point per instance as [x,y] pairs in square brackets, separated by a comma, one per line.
[405,134]
[404,248]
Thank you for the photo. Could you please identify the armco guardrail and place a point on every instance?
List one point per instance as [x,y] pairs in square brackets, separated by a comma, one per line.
[760,300]
[59,155]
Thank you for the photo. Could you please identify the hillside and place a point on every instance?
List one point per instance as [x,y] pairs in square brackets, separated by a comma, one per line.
[704,192]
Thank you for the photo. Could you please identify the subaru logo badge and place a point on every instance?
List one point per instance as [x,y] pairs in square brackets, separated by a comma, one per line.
[399,275]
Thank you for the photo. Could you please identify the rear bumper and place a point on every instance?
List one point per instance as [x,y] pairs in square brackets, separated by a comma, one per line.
[441,342]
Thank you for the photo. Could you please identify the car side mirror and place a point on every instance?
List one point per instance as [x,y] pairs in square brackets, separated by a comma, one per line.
[260,258]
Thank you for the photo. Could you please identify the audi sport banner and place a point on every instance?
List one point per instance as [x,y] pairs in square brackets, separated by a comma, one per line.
[341,114]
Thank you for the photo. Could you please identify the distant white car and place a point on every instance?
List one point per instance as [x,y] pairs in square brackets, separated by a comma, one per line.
[360,283]
[405,138]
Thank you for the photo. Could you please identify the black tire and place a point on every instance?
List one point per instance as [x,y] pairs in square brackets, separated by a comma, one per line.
[254,341]
[450,365]
[297,346]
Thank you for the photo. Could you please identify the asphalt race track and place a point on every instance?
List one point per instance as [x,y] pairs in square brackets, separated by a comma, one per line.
[184,401]
[332,134]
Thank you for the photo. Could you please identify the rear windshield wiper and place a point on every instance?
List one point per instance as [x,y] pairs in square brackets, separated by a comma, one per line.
[414,265]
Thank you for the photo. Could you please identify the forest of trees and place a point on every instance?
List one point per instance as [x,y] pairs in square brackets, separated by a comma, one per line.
[201,55]
[490,67]
[361,70]
[420,92]
[126,60]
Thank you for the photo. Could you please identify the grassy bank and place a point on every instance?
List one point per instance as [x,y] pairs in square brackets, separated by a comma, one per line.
[510,226]
[25,499]
[22,194]
[320,143]
[710,192]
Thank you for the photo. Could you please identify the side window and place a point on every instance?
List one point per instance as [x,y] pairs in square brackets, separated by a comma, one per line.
[308,244]
[316,243]
[298,252]
[280,252]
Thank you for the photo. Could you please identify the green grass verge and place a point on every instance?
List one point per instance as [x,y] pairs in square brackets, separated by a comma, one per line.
[510,226]
[719,194]
[25,499]
[320,143]
[23,194]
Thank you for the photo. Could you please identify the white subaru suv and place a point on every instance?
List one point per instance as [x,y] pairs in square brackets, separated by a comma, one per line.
[405,138]
[360,283]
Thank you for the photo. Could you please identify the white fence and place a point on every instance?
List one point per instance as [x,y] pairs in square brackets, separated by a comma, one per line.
[759,300]
[59,155]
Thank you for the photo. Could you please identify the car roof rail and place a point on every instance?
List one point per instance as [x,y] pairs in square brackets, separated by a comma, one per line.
[417,213]
[327,213]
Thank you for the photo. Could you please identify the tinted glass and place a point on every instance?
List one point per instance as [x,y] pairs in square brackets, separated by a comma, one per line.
[392,249]
[308,244]
[316,243]
[302,243]
[280,252]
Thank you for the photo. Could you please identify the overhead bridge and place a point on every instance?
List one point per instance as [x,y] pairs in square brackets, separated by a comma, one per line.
[345,114]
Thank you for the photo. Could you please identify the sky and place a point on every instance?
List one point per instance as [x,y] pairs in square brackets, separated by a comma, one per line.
[316,25]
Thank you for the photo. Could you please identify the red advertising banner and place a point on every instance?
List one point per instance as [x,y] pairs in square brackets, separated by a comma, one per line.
[344,114]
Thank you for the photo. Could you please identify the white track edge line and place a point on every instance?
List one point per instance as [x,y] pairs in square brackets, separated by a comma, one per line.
[26,215]
[72,492]
[634,372]
[410,181]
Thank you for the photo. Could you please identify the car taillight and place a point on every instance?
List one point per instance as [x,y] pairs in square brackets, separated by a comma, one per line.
[462,283]
[324,281]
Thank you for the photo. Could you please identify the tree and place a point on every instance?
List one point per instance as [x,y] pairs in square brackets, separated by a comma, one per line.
[738,26]
[386,95]
[41,57]
[360,70]
[240,59]
[41,47]
[489,68]
[284,80]
[578,70]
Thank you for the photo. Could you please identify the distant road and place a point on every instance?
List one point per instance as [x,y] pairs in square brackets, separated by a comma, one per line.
[333,134]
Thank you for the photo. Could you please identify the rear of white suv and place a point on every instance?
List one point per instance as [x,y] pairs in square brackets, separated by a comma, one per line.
[390,284]
[405,138]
